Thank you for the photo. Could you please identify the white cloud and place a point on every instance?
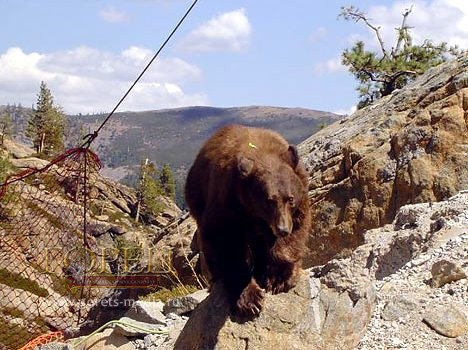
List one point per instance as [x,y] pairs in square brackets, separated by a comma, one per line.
[113,15]
[228,31]
[344,111]
[87,80]
[333,65]
[437,20]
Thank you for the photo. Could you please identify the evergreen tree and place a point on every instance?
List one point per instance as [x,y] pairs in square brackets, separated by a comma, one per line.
[6,127]
[46,125]
[380,73]
[166,178]
[5,168]
[149,190]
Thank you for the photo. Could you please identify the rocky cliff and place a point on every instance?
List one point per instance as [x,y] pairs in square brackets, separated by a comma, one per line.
[409,147]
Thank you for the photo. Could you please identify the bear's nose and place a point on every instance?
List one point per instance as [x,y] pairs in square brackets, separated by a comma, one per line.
[282,231]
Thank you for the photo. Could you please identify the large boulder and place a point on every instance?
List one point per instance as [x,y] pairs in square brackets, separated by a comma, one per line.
[409,147]
[310,316]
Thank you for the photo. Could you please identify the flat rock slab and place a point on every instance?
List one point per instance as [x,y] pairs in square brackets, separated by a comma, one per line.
[147,311]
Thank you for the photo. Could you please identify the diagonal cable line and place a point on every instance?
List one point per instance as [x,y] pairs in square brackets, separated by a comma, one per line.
[90,137]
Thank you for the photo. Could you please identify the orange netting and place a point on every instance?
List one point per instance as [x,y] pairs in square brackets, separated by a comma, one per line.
[42,340]
[42,256]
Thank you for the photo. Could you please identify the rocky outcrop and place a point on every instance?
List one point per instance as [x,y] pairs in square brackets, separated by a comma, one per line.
[17,150]
[408,147]
[411,310]
[310,316]
[332,306]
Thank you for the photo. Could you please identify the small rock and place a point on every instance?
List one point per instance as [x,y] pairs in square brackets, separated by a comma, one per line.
[102,217]
[397,308]
[187,303]
[136,328]
[444,272]
[153,341]
[448,321]
[147,311]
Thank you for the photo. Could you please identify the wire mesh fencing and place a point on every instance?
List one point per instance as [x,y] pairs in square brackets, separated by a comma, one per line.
[44,247]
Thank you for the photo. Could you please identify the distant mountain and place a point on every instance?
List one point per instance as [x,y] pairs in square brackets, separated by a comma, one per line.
[174,136]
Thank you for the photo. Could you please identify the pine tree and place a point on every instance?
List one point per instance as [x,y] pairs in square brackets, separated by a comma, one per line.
[46,125]
[6,127]
[5,168]
[166,178]
[380,73]
[149,190]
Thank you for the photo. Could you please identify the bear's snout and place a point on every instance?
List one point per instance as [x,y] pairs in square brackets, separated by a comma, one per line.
[283,226]
[282,231]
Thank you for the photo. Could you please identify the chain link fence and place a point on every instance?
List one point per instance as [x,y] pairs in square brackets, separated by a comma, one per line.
[44,247]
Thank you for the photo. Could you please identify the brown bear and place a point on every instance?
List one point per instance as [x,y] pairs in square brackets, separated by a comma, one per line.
[247,191]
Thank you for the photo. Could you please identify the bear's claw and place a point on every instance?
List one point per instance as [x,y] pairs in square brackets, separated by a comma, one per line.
[250,302]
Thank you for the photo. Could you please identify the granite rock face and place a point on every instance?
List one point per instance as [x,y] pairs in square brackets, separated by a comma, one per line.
[410,312]
[310,316]
[409,147]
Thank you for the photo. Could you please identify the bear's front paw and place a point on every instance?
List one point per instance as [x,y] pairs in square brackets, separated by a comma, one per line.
[282,279]
[250,302]
[276,286]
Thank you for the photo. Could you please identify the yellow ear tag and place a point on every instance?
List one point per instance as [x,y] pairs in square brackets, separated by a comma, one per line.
[251,145]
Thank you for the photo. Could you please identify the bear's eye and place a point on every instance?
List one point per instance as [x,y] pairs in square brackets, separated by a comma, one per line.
[271,201]
[291,200]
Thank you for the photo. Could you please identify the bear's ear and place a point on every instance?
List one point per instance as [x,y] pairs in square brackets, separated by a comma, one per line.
[245,166]
[292,156]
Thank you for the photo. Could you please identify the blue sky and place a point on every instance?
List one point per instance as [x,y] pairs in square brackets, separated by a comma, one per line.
[228,53]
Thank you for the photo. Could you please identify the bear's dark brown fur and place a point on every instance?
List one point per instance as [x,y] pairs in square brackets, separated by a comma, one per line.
[247,190]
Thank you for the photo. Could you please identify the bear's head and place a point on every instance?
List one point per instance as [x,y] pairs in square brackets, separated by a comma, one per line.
[271,190]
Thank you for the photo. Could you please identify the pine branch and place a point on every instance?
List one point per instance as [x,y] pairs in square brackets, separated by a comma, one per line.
[357,15]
